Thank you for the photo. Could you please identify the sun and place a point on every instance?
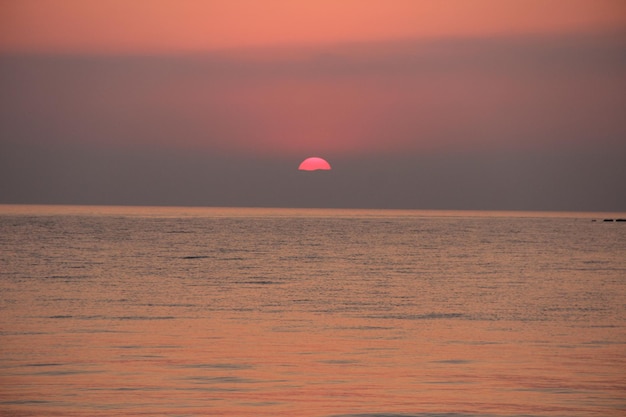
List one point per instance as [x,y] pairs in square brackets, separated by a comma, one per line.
[314,163]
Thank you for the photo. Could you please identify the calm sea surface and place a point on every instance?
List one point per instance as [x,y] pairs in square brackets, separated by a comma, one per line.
[262,312]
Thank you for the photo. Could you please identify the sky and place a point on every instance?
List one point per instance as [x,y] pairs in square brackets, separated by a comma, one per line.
[453,104]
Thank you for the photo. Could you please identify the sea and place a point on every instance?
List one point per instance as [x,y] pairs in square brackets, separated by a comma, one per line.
[172,311]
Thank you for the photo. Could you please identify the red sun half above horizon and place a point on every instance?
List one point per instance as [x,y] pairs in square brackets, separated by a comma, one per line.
[313,164]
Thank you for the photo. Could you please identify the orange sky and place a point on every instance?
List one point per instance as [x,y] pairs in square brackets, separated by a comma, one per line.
[107,84]
[149,26]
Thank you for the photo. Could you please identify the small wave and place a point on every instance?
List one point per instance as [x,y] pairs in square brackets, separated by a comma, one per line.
[232,366]
[65,372]
[340,362]
[429,316]
[168,305]
[41,364]
[25,402]
[415,415]
[219,380]
[112,317]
